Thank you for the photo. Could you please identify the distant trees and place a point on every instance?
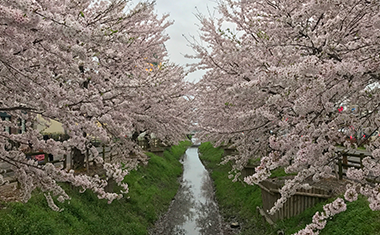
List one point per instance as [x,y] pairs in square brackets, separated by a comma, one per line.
[99,69]
[280,87]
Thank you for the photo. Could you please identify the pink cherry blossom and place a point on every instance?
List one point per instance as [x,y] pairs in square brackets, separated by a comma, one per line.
[297,80]
[83,63]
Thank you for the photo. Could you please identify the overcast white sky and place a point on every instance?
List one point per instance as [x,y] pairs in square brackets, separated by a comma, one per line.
[185,23]
[182,12]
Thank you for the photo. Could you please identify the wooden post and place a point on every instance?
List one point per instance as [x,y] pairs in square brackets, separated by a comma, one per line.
[87,160]
[340,169]
[64,161]
[345,162]
[361,160]
[104,153]
[46,158]
[71,159]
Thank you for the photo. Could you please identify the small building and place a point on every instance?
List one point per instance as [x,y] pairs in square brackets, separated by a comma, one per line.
[49,126]
[21,122]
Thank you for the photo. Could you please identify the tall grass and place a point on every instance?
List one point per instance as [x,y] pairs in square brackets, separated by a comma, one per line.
[152,188]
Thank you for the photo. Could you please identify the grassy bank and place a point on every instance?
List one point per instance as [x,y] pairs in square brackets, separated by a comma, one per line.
[358,219]
[238,201]
[152,188]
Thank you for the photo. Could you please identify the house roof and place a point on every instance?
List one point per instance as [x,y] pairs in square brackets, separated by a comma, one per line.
[4,114]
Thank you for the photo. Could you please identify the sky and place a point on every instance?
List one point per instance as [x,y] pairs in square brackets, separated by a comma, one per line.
[182,12]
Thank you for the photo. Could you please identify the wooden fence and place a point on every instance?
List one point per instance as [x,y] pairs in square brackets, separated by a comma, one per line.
[229,150]
[248,170]
[42,159]
[66,161]
[296,204]
[108,154]
[303,199]
[349,159]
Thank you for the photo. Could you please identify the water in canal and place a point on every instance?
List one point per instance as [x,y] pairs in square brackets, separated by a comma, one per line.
[193,210]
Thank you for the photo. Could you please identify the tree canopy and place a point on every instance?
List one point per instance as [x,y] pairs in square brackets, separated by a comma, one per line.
[100,69]
[288,82]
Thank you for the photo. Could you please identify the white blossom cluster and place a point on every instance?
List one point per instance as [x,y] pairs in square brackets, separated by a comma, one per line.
[320,219]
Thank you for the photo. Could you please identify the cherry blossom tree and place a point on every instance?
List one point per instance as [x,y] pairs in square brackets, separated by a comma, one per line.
[100,69]
[281,86]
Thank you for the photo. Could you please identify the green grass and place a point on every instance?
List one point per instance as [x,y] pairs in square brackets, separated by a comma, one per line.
[238,200]
[152,188]
[358,219]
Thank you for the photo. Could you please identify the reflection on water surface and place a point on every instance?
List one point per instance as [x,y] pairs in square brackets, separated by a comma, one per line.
[194,211]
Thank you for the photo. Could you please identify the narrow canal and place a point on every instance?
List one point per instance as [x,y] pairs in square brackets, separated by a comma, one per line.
[193,210]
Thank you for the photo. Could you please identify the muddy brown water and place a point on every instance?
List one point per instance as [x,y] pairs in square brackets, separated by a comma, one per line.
[193,210]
